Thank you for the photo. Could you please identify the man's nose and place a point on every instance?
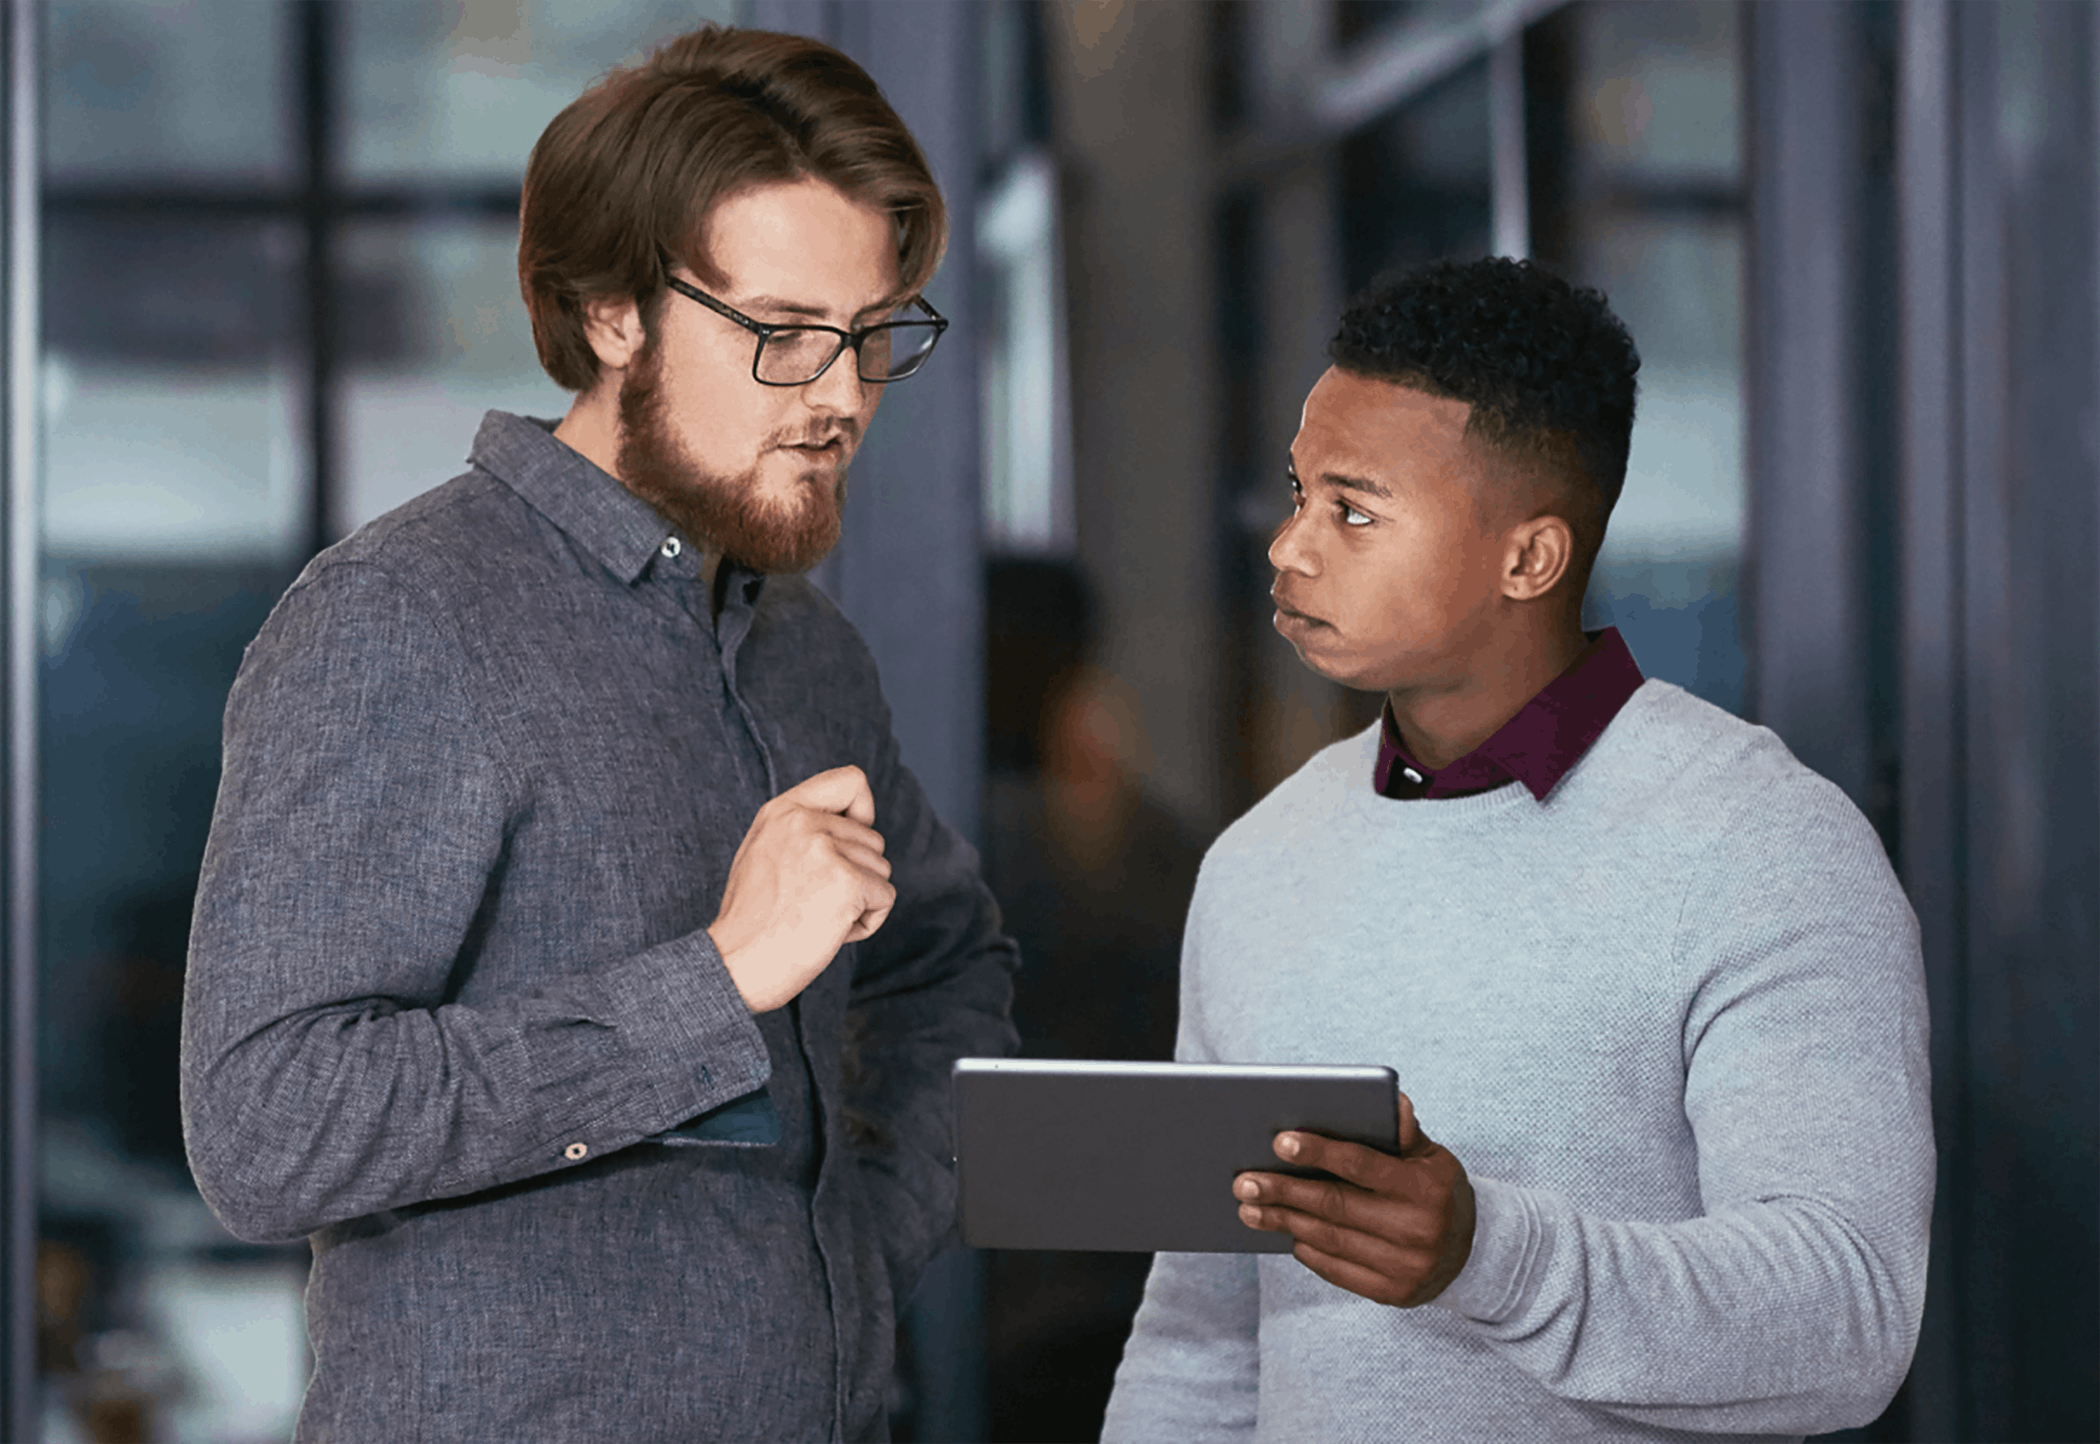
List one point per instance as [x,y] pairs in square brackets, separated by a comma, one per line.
[839,390]
[1286,552]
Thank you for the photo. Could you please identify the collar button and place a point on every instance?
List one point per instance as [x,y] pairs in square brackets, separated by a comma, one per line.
[672,546]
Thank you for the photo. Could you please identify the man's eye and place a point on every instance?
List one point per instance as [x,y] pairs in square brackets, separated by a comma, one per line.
[1351,516]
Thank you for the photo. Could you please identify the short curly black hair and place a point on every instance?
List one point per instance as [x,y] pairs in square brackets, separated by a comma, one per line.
[1547,368]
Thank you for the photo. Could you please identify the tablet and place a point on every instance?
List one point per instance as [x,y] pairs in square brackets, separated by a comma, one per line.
[1141,1156]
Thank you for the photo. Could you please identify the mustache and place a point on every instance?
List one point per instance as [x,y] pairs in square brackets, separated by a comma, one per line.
[842,430]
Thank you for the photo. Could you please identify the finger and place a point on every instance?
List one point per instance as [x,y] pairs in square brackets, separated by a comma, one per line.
[1360,1165]
[863,858]
[841,790]
[1412,1139]
[1414,1143]
[1390,1213]
[870,921]
[1357,1278]
[876,897]
[847,830]
[1366,1250]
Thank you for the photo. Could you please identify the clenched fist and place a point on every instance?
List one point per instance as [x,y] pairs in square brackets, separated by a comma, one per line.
[808,878]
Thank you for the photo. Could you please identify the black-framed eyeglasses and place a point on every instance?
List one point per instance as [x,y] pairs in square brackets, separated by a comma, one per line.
[797,355]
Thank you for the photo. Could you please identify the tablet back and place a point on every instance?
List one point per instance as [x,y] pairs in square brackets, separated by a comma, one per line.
[1141,1156]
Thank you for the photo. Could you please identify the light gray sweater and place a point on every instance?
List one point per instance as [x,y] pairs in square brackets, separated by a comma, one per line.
[1671,1020]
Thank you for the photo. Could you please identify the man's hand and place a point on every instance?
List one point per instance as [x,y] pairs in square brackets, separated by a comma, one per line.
[1394,1229]
[808,878]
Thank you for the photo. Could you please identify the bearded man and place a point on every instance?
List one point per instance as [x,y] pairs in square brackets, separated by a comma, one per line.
[575,961]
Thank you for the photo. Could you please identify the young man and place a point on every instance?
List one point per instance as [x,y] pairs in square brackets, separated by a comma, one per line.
[1650,980]
[575,960]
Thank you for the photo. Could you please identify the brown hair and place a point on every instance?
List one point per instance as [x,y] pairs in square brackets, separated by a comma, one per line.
[630,172]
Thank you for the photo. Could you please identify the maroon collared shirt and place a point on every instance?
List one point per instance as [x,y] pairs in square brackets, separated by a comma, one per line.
[1537,746]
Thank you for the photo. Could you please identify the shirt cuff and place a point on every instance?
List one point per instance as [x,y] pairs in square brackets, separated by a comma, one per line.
[1511,1240]
[683,1013]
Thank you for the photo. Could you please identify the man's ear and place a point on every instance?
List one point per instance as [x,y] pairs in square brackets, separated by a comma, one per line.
[1537,555]
[613,325]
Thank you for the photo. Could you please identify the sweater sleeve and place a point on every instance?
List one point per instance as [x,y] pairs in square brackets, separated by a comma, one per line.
[1192,1366]
[1791,1304]
[362,822]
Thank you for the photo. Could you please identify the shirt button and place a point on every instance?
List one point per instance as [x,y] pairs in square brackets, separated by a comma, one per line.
[575,1151]
[1410,774]
[672,546]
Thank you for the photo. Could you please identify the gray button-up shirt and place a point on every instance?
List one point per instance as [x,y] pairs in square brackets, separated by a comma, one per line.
[453,1012]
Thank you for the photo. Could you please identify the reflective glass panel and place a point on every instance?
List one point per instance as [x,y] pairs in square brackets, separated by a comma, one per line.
[438,337]
[1662,93]
[174,514]
[1415,185]
[173,391]
[461,91]
[142,90]
[1659,216]
[1677,284]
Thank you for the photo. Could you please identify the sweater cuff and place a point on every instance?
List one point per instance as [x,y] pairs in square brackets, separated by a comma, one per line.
[1511,1240]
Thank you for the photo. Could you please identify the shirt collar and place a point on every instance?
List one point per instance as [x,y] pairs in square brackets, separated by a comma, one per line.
[1539,745]
[617,527]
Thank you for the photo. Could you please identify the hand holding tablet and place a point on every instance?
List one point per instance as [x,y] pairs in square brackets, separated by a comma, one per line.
[1394,1229]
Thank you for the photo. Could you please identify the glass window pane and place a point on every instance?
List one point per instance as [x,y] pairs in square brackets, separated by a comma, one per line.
[1416,184]
[174,494]
[461,91]
[173,391]
[144,91]
[1663,93]
[1659,217]
[1026,411]
[456,342]
[1677,284]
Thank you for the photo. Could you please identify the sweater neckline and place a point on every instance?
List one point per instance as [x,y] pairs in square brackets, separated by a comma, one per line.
[1359,758]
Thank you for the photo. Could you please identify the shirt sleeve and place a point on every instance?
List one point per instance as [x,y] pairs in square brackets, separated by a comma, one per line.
[360,829]
[1792,1304]
[933,984]
[1192,1366]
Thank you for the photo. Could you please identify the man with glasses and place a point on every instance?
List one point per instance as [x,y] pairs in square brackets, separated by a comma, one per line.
[575,961]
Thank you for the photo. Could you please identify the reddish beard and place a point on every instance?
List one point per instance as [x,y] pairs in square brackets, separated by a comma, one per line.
[723,514]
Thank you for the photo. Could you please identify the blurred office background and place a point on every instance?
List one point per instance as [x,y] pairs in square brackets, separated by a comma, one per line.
[261,286]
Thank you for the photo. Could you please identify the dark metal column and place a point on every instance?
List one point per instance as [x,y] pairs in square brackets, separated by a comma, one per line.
[1805,555]
[1932,832]
[314,30]
[21,25]
[2030,1286]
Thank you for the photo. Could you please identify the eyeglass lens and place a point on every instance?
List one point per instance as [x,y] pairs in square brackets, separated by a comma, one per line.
[887,353]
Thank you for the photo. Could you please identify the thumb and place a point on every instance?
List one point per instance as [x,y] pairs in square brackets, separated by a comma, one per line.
[841,790]
[1413,1141]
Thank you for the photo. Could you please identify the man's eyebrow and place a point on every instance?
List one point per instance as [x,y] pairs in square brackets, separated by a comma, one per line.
[781,307]
[1347,483]
[1358,483]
